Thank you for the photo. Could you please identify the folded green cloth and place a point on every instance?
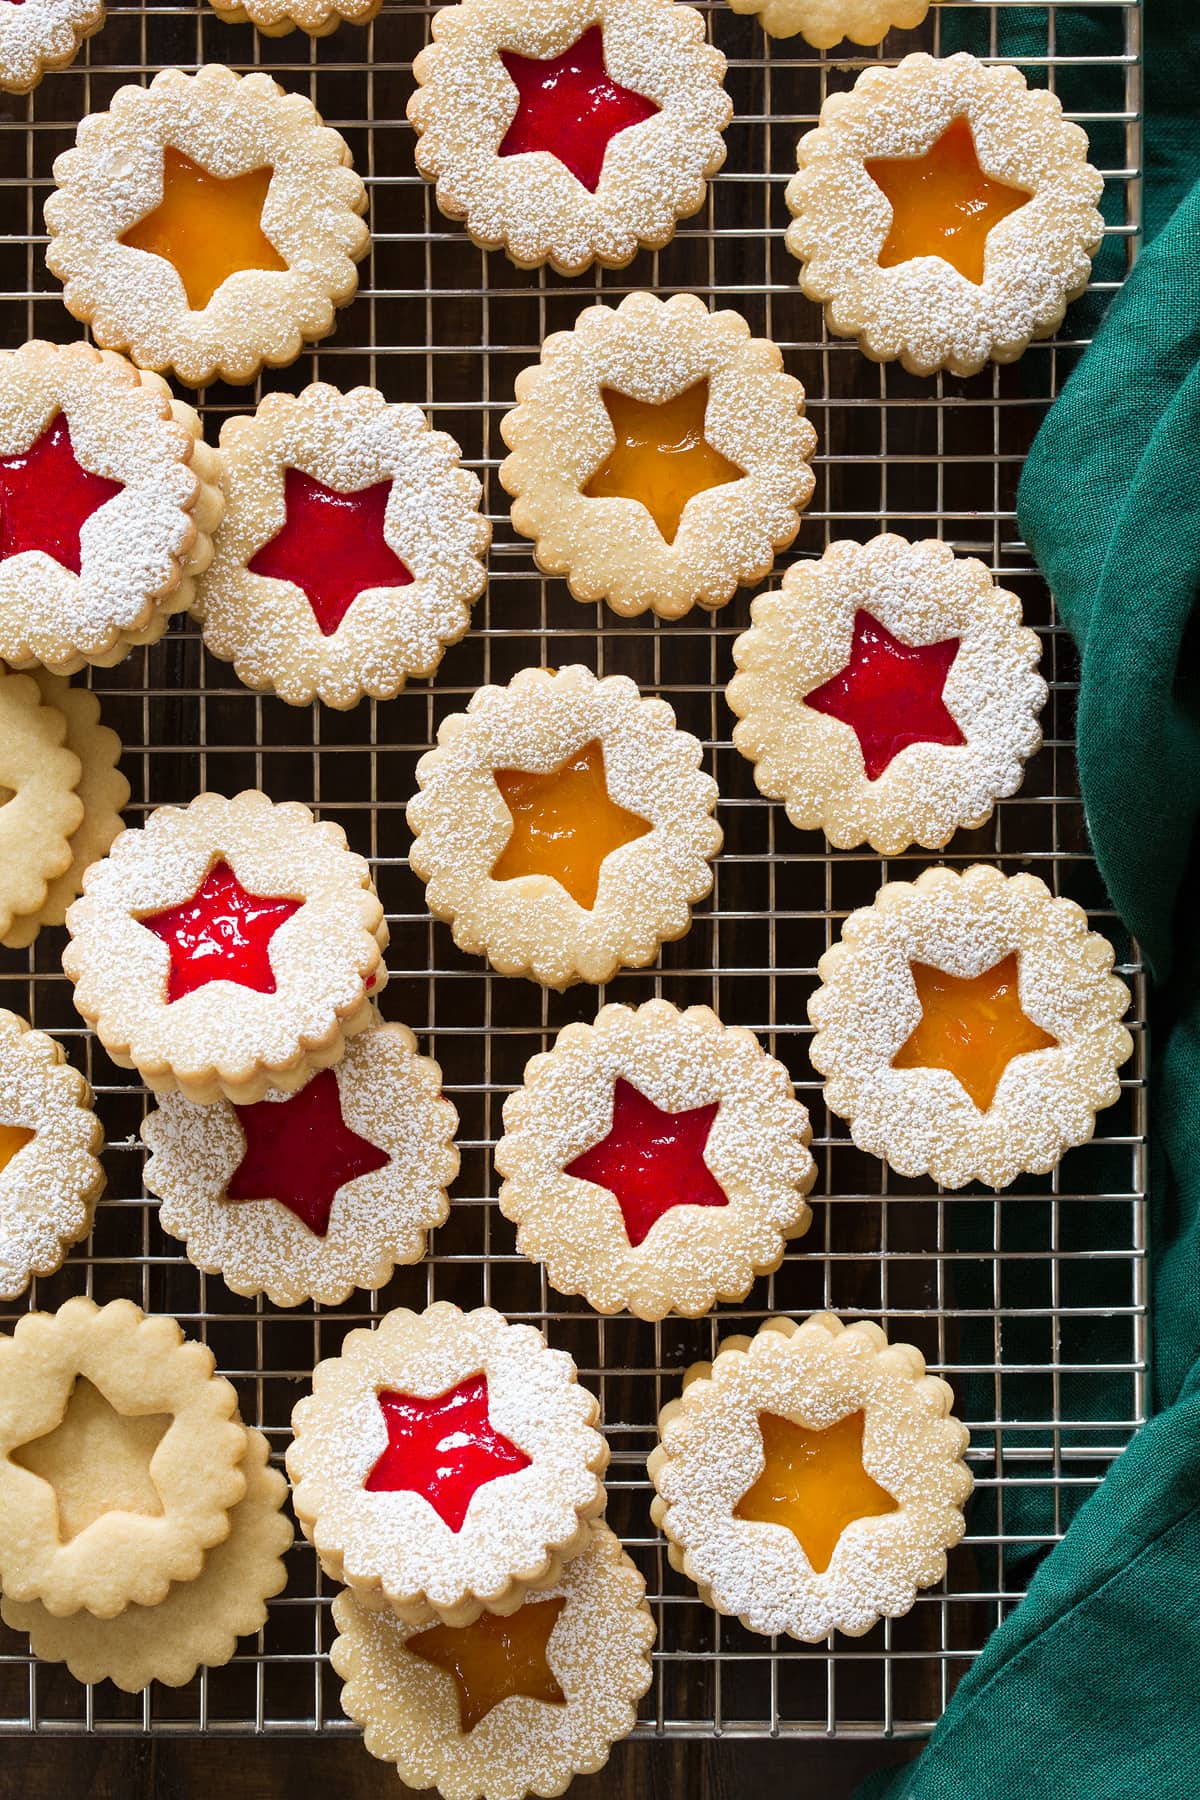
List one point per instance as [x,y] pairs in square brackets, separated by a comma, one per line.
[1092,1687]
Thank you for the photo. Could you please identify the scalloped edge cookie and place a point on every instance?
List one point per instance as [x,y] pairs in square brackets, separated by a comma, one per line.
[265,625]
[824,23]
[43,34]
[225,1039]
[460,824]
[390,1095]
[43,810]
[316,18]
[394,1548]
[711,1452]
[921,1120]
[692,1256]
[559,434]
[923,311]
[531,205]
[134,300]
[48,1191]
[802,636]
[141,1363]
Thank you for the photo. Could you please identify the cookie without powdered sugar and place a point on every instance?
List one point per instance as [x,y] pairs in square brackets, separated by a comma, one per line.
[41,809]
[824,23]
[659,455]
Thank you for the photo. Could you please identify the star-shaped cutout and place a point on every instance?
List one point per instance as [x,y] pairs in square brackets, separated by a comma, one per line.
[301,1152]
[890,694]
[97,1460]
[206,226]
[651,1160]
[571,106]
[331,546]
[661,456]
[47,496]
[495,1659]
[13,1139]
[942,203]
[221,934]
[565,823]
[445,1449]
[971,1025]
[814,1483]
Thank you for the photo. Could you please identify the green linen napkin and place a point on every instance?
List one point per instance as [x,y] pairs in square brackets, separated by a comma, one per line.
[1092,1687]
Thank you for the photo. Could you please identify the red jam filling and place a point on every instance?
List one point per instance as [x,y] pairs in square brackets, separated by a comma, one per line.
[300,1152]
[221,934]
[890,694]
[445,1449]
[331,546]
[571,106]
[651,1160]
[46,497]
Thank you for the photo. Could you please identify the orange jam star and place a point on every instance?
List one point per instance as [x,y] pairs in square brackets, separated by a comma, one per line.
[495,1659]
[565,823]
[207,227]
[814,1483]
[971,1025]
[942,203]
[13,1139]
[661,456]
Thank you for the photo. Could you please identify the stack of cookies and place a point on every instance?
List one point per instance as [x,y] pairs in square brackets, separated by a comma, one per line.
[141,1525]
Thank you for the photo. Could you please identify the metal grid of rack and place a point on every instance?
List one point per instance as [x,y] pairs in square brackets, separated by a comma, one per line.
[1048,1367]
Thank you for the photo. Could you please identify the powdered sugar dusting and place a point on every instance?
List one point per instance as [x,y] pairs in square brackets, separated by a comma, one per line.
[921,1120]
[40,35]
[560,433]
[921,593]
[757,1151]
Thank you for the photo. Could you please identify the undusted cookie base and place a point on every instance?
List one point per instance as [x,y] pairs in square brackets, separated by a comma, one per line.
[317,18]
[198,1622]
[41,809]
[824,23]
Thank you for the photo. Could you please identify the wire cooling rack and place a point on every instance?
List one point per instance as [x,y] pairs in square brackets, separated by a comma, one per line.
[1031,1305]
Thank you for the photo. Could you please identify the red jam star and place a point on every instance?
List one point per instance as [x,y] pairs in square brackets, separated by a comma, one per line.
[221,934]
[46,497]
[301,1152]
[890,694]
[331,546]
[651,1160]
[445,1449]
[571,106]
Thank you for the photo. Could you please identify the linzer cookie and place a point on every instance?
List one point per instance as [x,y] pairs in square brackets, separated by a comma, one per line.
[944,213]
[824,23]
[317,18]
[656,1160]
[309,1195]
[227,948]
[119,1454]
[968,1026]
[504,1706]
[889,694]
[50,1141]
[39,807]
[446,1463]
[572,132]
[199,1621]
[563,826]
[108,498]
[37,35]
[102,791]
[208,224]
[811,1478]
[351,550]
[659,455]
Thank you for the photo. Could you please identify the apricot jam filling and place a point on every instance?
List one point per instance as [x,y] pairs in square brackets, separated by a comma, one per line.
[890,694]
[13,1139]
[571,107]
[495,1659]
[97,1460]
[651,1160]
[46,498]
[565,823]
[207,226]
[971,1025]
[814,1483]
[222,933]
[661,456]
[445,1448]
[942,203]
